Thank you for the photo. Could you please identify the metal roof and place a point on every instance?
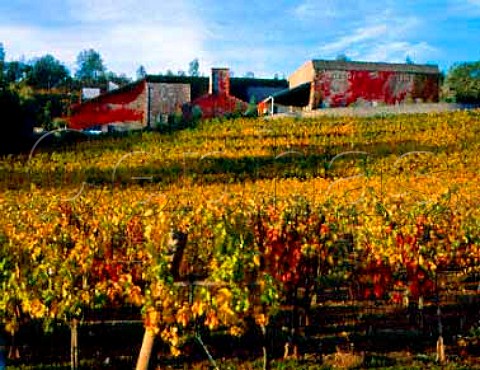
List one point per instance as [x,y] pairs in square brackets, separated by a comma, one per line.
[374,66]
[299,96]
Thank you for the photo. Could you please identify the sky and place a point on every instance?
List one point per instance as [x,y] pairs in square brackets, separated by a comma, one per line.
[264,37]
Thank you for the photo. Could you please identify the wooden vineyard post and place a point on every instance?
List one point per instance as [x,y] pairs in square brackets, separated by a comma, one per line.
[440,351]
[266,360]
[177,244]
[74,345]
[440,346]
[146,350]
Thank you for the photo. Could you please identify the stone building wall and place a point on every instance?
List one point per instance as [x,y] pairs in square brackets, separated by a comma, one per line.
[165,99]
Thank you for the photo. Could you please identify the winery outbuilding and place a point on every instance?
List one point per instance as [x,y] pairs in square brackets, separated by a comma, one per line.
[323,84]
[155,99]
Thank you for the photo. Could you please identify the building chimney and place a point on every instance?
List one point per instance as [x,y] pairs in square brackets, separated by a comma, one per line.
[219,81]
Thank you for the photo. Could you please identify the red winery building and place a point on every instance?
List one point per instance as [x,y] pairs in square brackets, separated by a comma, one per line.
[130,107]
[155,98]
[322,83]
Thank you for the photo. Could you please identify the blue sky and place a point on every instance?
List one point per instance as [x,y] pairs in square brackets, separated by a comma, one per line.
[265,37]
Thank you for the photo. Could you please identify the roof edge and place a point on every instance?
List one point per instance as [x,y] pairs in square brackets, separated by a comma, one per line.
[364,65]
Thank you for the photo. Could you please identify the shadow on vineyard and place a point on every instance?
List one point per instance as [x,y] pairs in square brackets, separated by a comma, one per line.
[286,162]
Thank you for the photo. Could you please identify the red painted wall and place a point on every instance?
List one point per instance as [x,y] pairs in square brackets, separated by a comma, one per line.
[219,102]
[262,108]
[219,105]
[343,88]
[123,106]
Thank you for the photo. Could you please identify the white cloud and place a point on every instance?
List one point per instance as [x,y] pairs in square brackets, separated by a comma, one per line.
[388,37]
[165,35]
[158,35]
[397,52]
[29,42]
[360,35]
[311,9]
[463,8]
[130,11]
[328,11]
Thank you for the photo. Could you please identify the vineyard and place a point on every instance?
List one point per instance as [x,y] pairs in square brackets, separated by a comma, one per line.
[326,240]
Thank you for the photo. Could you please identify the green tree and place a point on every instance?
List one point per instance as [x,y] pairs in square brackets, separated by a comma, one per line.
[90,66]
[2,63]
[47,72]
[252,108]
[14,71]
[342,58]
[120,80]
[463,81]
[16,124]
[141,73]
[193,68]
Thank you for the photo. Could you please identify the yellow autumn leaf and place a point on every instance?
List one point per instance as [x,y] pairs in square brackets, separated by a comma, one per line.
[224,295]
[198,308]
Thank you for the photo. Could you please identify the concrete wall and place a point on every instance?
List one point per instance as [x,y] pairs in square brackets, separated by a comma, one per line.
[305,73]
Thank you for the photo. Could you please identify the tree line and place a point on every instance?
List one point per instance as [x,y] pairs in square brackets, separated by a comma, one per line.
[38,92]
[47,72]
